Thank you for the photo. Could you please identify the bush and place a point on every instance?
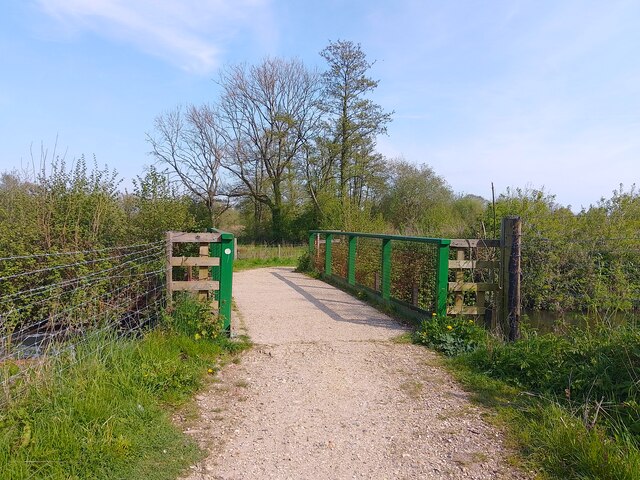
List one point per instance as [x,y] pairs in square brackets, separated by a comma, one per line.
[193,317]
[451,336]
[305,263]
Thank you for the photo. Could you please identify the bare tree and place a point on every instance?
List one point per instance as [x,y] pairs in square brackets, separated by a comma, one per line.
[192,143]
[271,113]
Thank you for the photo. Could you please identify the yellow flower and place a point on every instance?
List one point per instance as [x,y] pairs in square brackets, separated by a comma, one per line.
[210,371]
[197,336]
[433,314]
[449,327]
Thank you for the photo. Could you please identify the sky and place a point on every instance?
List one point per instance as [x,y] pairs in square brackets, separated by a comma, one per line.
[519,93]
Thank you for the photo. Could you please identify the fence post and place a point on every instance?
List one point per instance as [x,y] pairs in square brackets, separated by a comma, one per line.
[226,278]
[510,273]
[442,278]
[351,260]
[169,271]
[386,269]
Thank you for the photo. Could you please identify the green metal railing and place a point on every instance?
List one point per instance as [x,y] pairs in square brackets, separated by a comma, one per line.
[223,273]
[409,271]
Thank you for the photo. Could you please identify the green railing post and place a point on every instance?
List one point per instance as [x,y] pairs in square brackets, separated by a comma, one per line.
[442,278]
[312,244]
[223,274]
[351,260]
[327,254]
[385,284]
[226,279]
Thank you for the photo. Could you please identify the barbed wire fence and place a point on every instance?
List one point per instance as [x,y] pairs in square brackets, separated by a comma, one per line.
[72,304]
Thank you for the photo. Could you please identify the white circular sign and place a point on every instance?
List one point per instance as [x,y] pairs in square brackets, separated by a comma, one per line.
[227,251]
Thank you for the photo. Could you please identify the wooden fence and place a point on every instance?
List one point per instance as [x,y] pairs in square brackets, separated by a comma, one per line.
[213,270]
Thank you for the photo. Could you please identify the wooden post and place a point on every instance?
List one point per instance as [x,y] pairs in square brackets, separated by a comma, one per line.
[510,309]
[459,295]
[203,272]
[235,248]
[169,271]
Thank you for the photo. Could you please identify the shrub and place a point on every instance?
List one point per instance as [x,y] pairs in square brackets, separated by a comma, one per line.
[193,317]
[305,264]
[451,336]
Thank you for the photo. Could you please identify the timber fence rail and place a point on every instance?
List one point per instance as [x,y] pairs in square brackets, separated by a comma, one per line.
[207,271]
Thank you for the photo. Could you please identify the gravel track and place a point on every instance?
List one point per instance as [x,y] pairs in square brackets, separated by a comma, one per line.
[327,393]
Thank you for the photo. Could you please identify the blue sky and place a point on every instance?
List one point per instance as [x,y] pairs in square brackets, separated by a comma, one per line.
[521,93]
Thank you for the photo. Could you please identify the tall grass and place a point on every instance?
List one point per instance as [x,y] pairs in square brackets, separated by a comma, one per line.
[570,402]
[103,410]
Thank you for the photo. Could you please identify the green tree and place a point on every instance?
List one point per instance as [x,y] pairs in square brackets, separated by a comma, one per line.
[353,121]
[417,201]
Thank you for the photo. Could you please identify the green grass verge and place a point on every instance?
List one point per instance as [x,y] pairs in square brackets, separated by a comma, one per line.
[249,263]
[104,410]
[569,403]
[549,438]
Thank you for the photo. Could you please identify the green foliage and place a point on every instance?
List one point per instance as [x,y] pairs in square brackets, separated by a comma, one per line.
[450,335]
[581,415]
[584,262]
[551,439]
[305,263]
[193,317]
[101,412]
[417,200]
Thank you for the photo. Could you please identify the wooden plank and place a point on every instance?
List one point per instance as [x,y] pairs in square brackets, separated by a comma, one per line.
[197,237]
[466,310]
[195,261]
[196,285]
[470,264]
[459,297]
[472,287]
[203,271]
[473,243]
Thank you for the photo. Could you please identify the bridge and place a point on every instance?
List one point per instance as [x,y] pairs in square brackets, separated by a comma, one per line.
[332,389]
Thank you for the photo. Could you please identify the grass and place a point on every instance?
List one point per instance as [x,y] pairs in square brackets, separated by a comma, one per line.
[104,410]
[548,437]
[250,263]
[569,404]
[266,252]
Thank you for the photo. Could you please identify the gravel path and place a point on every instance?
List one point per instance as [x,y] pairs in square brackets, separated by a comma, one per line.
[326,393]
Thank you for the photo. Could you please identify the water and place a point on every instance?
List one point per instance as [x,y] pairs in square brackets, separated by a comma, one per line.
[546,322]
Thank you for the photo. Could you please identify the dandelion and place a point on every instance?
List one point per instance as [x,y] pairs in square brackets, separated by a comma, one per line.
[449,327]
[210,371]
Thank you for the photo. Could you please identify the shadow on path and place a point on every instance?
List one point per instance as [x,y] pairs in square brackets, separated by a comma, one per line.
[377,320]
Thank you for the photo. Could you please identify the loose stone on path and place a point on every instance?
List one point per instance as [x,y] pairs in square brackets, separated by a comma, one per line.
[326,392]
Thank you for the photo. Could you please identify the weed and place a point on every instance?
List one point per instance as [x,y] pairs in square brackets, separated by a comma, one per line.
[103,411]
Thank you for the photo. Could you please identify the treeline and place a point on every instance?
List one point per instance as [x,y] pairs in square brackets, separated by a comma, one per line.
[72,208]
[284,149]
[294,148]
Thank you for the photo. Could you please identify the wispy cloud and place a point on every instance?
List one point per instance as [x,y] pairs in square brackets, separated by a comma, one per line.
[191,34]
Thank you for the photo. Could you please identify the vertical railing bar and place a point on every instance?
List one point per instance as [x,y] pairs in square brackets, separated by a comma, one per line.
[442,278]
[386,269]
[351,260]
[327,254]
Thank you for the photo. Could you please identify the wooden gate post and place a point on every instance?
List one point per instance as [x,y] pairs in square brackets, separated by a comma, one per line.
[510,274]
